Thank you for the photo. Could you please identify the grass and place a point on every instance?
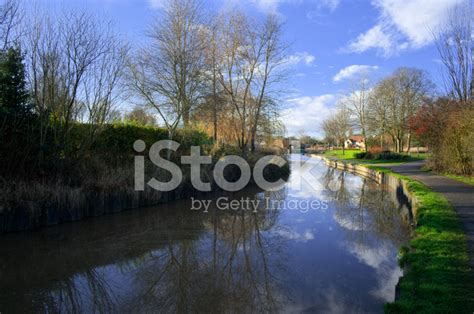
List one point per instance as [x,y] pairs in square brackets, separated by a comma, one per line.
[464,179]
[438,277]
[350,153]
[420,156]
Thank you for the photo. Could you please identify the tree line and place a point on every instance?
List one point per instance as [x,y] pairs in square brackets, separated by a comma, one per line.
[221,73]
[405,107]
[218,73]
[381,113]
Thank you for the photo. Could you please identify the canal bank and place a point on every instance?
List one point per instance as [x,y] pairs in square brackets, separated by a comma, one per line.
[336,258]
[34,204]
[437,276]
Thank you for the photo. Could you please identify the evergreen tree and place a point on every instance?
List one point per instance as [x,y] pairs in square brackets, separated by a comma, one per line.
[17,136]
[13,90]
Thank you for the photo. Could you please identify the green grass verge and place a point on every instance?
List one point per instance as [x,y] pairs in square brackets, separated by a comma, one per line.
[464,179]
[338,153]
[349,156]
[438,277]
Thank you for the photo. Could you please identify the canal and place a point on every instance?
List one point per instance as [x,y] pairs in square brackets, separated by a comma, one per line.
[327,247]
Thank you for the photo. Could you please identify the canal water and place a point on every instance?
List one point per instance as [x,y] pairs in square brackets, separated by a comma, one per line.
[327,246]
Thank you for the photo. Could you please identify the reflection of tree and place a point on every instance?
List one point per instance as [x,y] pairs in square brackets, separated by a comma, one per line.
[230,269]
[70,295]
[334,182]
[366,207]
[328,179]
[373,227]
[177,260]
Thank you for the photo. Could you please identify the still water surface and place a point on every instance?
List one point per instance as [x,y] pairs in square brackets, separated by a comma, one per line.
[338,257]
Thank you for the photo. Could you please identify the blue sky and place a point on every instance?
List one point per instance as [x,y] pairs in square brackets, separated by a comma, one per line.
[332,42]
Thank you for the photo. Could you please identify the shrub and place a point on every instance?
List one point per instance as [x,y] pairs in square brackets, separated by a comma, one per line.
[375,150]
[386,155]
[446,126]
[363,155]
[225,150]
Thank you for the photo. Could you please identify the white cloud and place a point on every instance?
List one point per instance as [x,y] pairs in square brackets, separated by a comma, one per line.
[416,19]
[403,25]
[371,256]
[300,58]
[308,113]
[289,234]
[353,70]
[374,38]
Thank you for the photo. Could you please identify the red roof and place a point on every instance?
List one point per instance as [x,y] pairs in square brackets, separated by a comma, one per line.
[357,138]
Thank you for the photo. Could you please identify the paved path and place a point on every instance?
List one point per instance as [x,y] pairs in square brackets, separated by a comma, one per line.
[460,195]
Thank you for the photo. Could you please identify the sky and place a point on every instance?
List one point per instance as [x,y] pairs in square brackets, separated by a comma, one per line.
[332,42]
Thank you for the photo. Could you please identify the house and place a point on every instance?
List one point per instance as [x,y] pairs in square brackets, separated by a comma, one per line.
[355,141]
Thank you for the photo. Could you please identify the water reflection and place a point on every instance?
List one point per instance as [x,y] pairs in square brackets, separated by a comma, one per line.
[339,258]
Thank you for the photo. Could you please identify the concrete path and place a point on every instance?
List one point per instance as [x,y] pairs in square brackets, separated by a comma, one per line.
[460,195]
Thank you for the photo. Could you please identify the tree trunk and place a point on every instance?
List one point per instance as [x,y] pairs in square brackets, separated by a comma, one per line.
[186,118]
[170,137]
[396,143]
[253,142]
[399,145]
[214,101]
[366,148]
[471,94]
[408,142]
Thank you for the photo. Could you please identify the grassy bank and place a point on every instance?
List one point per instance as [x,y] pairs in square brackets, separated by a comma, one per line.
[464,179]
[347,154]
[350,155]
[461,178]
[438,278]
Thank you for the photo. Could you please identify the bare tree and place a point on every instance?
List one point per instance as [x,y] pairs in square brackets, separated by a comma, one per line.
[343,124]
[238,68]
[413,87]
[329,127]
[378,111]
[10,21]
[357,103]
[102,82]
[268,69]
[396,100]
[45,71]
[212,59]
[338,126]
[140,116]
[252,54]
[74,62]
[455,43]
[167,74]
